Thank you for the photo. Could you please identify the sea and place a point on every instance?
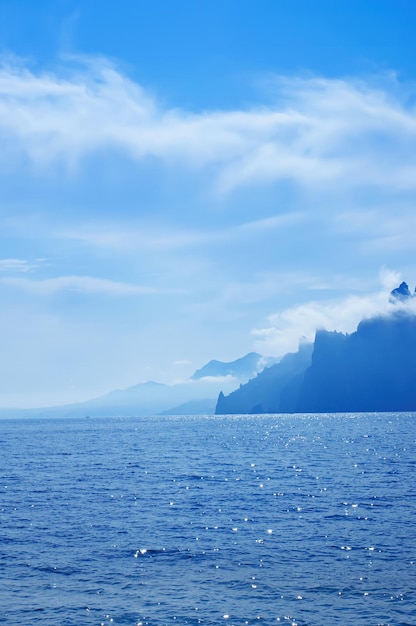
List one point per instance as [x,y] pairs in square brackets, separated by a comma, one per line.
[305,520]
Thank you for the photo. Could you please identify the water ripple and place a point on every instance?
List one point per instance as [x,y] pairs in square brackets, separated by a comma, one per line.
[305,520]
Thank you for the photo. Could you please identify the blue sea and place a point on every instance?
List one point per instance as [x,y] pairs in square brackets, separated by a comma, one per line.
[300,519]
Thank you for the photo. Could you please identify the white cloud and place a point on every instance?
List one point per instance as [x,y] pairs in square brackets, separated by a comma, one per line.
[134,235]
[80,284]
[276,222]
[18,265]
[317,132]
[286,328]
[387,228]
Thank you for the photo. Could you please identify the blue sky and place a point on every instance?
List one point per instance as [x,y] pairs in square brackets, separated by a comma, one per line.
[190,180]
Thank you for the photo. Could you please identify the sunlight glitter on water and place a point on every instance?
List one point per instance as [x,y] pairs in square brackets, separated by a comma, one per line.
[285,553]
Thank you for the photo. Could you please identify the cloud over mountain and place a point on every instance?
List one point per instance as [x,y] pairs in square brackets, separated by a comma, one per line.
[288,326]
[371,369]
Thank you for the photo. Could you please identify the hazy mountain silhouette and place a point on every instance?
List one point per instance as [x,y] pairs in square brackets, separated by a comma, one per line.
[244,368]
[272,389]
[205,406]
[372,369]
[402,292]
[194,396]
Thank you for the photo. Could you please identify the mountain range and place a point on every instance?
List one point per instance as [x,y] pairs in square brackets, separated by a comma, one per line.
[372,369]
[197,395]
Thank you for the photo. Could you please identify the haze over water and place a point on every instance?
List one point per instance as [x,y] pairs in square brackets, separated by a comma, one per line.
[304,519]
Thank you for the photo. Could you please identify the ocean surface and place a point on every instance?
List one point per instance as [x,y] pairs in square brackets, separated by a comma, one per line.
[307,520]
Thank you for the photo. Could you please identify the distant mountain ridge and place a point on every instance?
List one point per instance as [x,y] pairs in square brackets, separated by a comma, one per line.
[205,406]
[244,367]
[267,392]
[372,369]
[195,396]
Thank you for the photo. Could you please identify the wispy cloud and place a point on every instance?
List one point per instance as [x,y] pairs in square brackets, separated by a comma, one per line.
[131,236]
[274,223]
[80,284]
[182,362]
[316,131]
[19,265]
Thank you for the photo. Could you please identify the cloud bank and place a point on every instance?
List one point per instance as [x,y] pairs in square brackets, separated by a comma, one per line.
[289,326]
[314,131]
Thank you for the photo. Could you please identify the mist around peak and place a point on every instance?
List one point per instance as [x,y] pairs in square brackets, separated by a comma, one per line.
[370,369]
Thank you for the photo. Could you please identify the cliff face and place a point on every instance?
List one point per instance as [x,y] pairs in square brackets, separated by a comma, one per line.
[373,369]
[274,390]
